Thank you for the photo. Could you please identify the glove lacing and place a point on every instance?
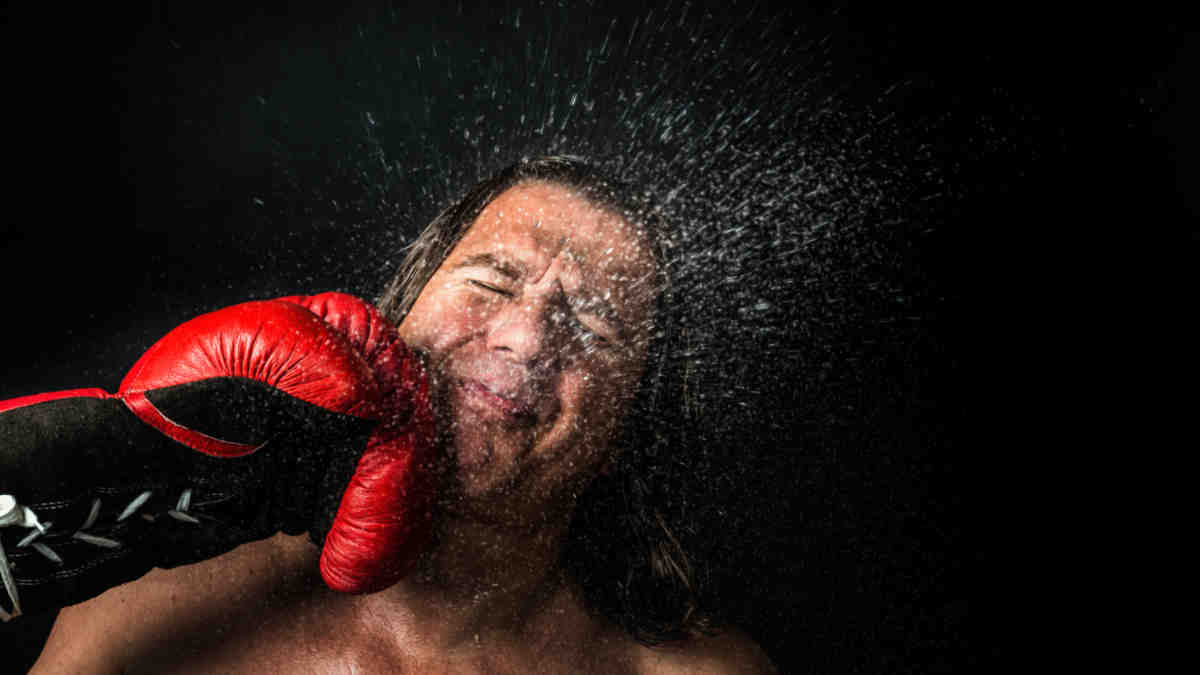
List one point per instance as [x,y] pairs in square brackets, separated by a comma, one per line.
[13,514]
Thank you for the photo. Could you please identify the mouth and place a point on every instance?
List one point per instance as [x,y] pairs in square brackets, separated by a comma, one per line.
[511,408]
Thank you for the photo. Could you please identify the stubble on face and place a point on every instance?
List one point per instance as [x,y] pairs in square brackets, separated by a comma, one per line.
[535,329]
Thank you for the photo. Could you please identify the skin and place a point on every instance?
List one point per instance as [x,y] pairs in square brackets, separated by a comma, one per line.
[535,328]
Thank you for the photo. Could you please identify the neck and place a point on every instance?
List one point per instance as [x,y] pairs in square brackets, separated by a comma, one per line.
[479,580]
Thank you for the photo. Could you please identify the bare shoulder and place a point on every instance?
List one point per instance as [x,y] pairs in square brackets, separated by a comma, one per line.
[731,652]
[142,621]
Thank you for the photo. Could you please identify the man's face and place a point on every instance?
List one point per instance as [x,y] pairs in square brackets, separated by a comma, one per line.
[535,328]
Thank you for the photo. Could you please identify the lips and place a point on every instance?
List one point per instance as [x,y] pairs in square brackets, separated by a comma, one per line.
[510,404]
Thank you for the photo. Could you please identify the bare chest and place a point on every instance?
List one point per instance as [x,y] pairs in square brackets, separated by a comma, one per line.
[314,642]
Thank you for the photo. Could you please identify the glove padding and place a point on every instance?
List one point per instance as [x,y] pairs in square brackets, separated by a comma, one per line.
[386,507]
[304,414]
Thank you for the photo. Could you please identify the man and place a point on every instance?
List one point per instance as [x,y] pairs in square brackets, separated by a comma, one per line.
[536,302]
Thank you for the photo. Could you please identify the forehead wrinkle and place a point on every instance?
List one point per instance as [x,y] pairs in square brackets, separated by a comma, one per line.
[561,234]
[512,269]
[581,300]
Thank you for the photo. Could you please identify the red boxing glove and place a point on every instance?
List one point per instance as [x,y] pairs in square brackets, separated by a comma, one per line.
[387,504]
[308,414]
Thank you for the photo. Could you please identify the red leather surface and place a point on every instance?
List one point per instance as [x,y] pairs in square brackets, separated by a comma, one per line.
[385,514]
[278,343]
[22,401]
[331,350]
[385,517]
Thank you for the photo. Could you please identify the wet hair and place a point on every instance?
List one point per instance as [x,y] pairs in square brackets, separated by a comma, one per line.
[621,546]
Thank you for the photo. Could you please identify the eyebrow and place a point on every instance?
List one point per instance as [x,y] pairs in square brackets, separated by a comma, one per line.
[516,271]
[511,269]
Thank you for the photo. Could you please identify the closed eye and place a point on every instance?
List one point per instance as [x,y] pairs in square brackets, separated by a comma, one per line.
[488,287]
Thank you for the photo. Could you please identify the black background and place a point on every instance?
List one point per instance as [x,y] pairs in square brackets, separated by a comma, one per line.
[128,191]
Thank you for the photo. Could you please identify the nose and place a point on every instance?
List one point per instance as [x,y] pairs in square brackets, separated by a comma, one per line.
[529,332]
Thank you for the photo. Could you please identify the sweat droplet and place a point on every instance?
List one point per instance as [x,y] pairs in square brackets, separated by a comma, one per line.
[769,198]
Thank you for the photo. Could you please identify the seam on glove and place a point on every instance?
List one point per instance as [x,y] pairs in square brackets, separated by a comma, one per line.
[141,406]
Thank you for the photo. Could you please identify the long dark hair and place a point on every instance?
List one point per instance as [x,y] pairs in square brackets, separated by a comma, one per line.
[622,545]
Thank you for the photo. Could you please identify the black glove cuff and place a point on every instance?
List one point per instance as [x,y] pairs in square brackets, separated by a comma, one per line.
[120,498]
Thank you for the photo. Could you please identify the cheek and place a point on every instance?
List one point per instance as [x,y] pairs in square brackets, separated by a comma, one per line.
[599,400]
[440,321]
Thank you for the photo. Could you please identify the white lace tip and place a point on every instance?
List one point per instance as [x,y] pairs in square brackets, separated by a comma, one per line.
[185,500]
[97,541]
[179,515]
[92,515]
[10,585]
[28,539]
[48,552]
[31,520]
[134,505]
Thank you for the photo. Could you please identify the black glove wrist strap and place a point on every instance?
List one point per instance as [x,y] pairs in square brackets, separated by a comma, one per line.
[49,550]
[98,497]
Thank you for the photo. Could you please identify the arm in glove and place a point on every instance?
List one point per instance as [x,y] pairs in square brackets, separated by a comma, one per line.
[302,414]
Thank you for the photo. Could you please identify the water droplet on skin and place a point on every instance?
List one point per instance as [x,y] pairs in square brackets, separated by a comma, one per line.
[769,188]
